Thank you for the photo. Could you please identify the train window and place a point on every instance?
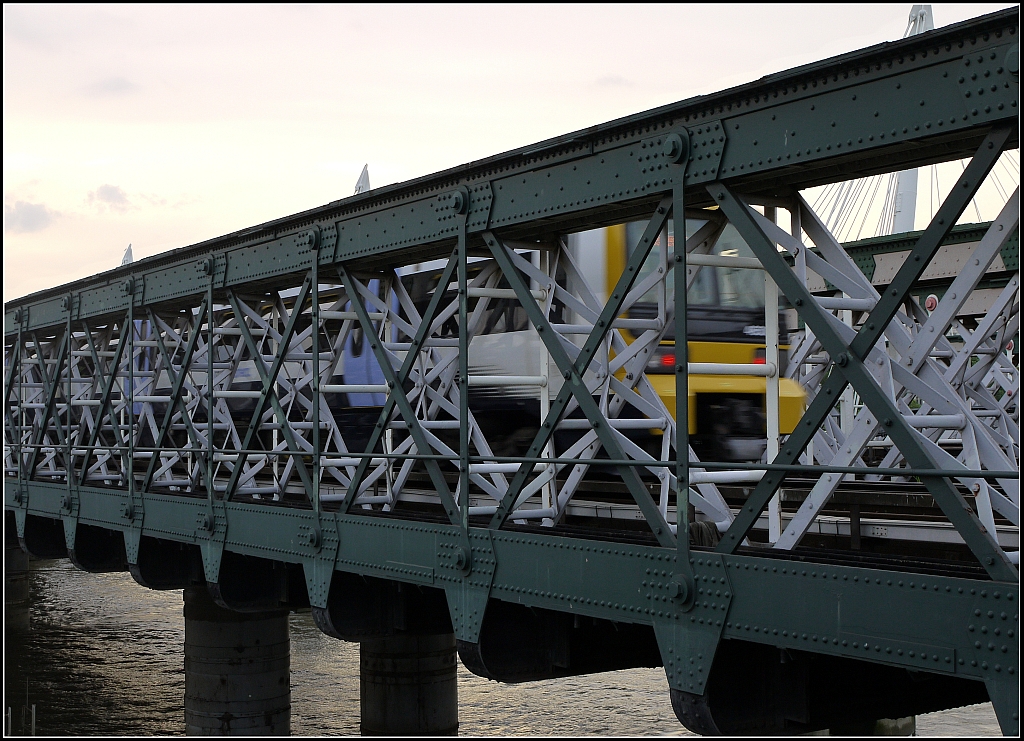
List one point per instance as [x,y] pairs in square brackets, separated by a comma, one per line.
[744,288]
[702,291]
[505,315]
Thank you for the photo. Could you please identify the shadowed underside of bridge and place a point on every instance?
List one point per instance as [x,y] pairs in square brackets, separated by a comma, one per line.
[190,417]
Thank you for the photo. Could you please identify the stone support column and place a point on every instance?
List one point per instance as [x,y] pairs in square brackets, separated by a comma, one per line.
[408,685]
[237,680]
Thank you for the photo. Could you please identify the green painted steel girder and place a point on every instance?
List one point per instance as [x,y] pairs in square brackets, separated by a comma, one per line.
[900,618]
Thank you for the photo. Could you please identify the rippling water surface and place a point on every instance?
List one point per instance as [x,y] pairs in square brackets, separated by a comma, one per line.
[103,656]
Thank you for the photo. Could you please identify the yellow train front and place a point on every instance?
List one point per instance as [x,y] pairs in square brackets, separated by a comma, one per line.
[725,324]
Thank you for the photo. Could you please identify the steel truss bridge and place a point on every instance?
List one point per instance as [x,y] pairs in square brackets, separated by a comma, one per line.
[786,608]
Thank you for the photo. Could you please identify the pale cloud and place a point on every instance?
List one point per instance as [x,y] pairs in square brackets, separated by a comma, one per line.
[614,81]
[153,199]
[112,86]
[24,217]
[167,125]
[110,196]
[56,29]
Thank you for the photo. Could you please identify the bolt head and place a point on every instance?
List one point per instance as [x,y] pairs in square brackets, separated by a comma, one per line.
[674,148]
[679,589]
[461,558]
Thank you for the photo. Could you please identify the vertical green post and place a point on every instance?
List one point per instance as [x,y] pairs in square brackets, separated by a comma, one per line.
[67,440]
[682,381]
[22,483]
[315,315]
[209,386]
[131,386]
[463,374]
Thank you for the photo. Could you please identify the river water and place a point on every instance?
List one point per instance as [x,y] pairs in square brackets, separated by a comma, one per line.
[103,656]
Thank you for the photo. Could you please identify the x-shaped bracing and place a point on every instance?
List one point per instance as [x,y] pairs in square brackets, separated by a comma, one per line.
[573,373]
[177,381]
[918,375]
[397,396]
[268,377]
[849,366]
[51,384]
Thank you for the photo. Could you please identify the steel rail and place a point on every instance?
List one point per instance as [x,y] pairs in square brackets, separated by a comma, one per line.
[711,465]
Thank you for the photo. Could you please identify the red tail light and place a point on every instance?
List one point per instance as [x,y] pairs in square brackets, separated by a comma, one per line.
[663,360]
[759,356]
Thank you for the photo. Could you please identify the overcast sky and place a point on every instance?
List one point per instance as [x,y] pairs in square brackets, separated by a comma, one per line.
[167,125]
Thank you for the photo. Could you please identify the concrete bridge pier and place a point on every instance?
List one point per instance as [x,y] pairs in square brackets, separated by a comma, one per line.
[237,680]
[408,685]
[407,654]
[15,564]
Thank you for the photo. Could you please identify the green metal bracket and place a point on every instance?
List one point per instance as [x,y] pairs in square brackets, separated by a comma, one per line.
[467,592]
[702,157]
[319,568]
[689,625]
[211,532]
[1005,696]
